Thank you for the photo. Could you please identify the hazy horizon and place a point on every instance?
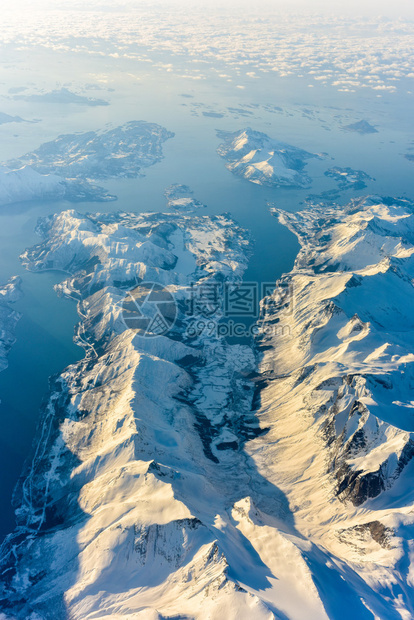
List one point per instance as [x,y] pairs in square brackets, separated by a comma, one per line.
[399,9]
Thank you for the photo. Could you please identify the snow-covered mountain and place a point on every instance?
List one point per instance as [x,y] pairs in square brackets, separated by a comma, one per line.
[337,396]
[188,477]
[27,184]
[256,157]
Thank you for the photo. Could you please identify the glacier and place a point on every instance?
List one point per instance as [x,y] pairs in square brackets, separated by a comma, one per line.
[193,478]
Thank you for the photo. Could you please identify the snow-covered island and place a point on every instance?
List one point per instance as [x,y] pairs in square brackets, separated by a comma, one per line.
[181,198]
[111,152]
[256,157]
[347,178]
[9,293]
[66,168]
[180,477]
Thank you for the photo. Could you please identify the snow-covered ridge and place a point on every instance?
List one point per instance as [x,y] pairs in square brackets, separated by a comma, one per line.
[25,184]
[9,293]
[353,333]
[353,330]
[337,393]
[262,160]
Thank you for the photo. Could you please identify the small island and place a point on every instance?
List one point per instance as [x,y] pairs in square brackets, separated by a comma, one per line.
[347,178]
[62,96]
[362,127]
[262,160]
[180,198]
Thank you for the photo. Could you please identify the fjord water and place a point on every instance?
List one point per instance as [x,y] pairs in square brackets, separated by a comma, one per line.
[44,346]
[44,334]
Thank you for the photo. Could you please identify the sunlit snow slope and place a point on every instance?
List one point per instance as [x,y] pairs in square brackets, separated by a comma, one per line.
[191,478]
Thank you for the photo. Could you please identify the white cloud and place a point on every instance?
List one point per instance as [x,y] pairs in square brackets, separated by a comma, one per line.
[372,52]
